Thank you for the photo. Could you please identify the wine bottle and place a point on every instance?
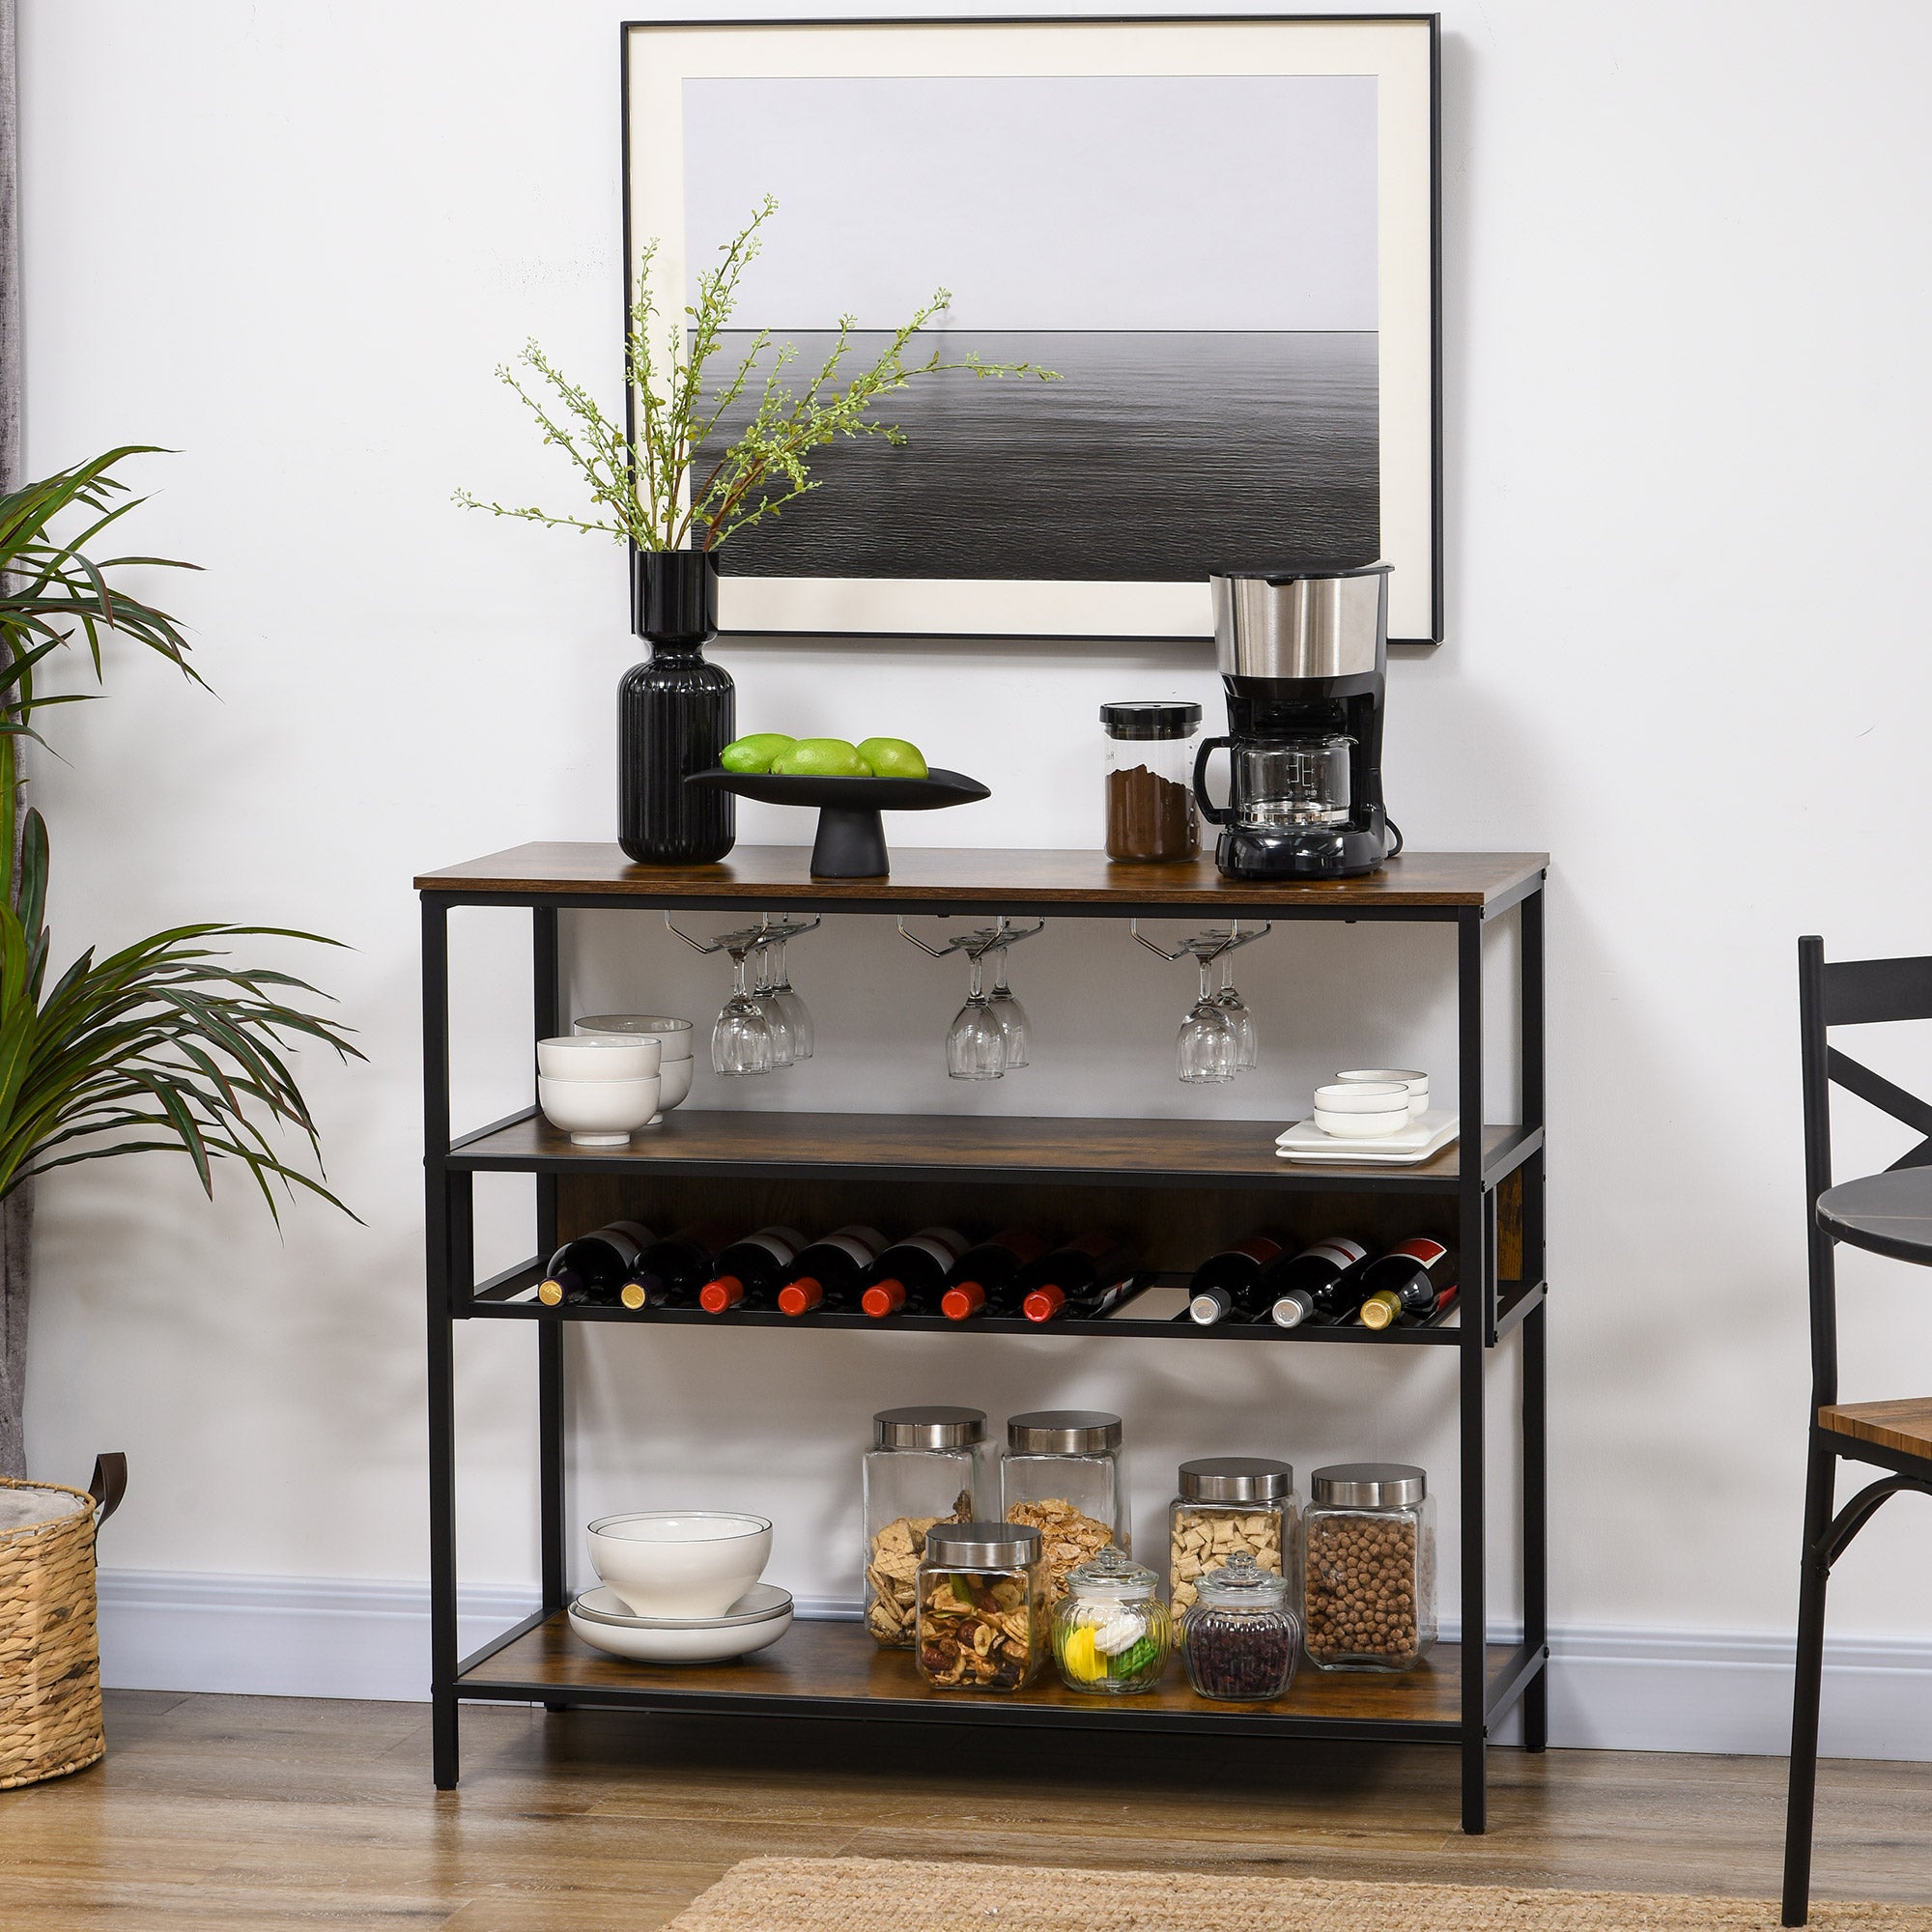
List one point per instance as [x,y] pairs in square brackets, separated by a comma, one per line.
[988,1277]
[913,1274]
[1409,1280]
[669,1274]
[747,1273]
[1427,1318]
[830,1272]
[1319,1285]
[1229,1283]
[592,1267]
[1085,1277]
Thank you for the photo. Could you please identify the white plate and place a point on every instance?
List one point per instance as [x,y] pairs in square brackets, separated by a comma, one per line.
[643,1640]
[1421,1140]
[759,1603]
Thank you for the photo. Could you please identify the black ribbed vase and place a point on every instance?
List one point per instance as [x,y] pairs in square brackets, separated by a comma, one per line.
[675,714]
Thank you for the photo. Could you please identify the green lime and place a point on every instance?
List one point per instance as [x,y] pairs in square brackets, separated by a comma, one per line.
[755,753]
[819,759]
[893,757]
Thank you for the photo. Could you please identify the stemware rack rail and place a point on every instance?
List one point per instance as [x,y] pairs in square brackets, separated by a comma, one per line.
[1204,1177]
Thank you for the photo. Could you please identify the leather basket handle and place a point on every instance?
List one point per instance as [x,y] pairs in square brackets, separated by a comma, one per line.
[109,1483]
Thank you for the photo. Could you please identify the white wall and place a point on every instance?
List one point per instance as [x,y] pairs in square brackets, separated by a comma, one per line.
[1687,410]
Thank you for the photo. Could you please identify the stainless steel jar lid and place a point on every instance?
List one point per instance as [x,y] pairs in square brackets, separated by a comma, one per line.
[1369,1485]
[987,1546]
[1234,1479]
[931,1426]
[1062,1432]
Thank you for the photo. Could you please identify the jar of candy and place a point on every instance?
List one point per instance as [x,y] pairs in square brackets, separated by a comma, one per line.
[983,1621]
[1111,1632]
[1240,1638]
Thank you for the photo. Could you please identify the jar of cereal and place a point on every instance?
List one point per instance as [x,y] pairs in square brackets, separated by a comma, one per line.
[926,1465]
[1229,1503]
[1369,1556]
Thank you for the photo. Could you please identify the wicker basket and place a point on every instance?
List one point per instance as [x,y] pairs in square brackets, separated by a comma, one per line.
[49,1657]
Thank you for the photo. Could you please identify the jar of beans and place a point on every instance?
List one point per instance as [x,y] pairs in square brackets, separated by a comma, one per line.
[1229,1503]
[1369,1558]
[1240,1636]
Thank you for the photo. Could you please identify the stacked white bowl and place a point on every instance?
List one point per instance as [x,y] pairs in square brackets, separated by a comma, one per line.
[1370,1101]
[674,1039]
[681,1586]
[599,1090]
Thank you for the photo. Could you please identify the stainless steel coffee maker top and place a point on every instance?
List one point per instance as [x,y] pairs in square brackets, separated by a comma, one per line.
[1283,624]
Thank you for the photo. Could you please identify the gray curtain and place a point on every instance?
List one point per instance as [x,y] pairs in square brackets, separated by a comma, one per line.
[17,1211]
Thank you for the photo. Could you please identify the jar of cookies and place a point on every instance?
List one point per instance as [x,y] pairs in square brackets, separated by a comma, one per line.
[1063,1472]
[1369,1563]
[982,1623]
[1230,1503]
[1111,1632]
[926,1465]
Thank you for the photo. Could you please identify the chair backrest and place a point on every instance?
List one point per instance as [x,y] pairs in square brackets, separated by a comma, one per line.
[1848,992]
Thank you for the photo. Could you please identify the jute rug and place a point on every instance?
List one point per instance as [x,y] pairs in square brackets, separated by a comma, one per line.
[907,1896]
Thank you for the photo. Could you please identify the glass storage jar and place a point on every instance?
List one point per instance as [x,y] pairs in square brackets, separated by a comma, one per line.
[1239,1635]
[1230,1503]
[1151,812]
[925,1465]
[1111,1632]
[1369,1559]
[982,1607]
[1063,1473]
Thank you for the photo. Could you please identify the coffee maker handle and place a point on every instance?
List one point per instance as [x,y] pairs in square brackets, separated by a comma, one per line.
[1215,814]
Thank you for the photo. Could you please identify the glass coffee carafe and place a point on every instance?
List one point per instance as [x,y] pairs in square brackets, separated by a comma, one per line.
[1290,781]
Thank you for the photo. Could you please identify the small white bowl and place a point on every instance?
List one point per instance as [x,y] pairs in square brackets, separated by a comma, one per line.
[598,1057]
[754,1622]
[682,1564]
[598,1113]
[1361,1127]
[1382,1096]
[1416,1084]
[676,1085]
[676,1034]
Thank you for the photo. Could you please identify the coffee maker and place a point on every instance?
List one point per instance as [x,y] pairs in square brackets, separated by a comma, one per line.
[1303,655]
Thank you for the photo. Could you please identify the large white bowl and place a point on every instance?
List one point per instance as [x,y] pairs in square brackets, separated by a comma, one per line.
[754,1622]
[1361,1127]
[1416,1084]
[1359,1096]
[680,1563]
[598,1113]
[676,1034]
[599,1057]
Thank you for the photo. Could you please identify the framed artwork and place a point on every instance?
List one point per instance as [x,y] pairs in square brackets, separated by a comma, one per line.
[1221,235]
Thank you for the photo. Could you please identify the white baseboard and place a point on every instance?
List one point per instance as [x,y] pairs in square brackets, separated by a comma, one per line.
[1613,1689]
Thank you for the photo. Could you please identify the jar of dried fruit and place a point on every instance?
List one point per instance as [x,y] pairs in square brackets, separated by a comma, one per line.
[983,1621]
[1229,1503]
[926,1465]
[1240,1636]
[1111,1631]
[1369,1561]
[1063,1472]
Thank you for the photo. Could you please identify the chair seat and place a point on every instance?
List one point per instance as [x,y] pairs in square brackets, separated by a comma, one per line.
[1904,1428]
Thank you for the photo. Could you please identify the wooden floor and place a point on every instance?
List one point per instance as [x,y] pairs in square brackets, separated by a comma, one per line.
[222,1813]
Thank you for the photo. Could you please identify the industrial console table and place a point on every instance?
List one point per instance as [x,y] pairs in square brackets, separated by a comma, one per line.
[1178,1188]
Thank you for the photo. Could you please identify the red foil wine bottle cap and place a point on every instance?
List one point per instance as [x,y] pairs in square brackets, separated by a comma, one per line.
[716,1297]
[797,1297]
[1045,1303]
[882,1297]
[957,1303]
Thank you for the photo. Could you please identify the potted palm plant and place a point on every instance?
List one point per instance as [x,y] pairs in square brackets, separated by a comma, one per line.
[676,488]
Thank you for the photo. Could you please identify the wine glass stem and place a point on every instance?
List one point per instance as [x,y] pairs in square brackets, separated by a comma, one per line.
[738,985]
[976,980]
[1204,979]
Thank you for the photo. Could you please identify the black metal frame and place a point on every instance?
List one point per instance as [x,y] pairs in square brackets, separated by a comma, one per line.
[1486,1316]
[1437,600]
[1852,992]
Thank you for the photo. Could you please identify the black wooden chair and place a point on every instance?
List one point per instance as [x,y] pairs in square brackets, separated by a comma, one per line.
[1895,1436]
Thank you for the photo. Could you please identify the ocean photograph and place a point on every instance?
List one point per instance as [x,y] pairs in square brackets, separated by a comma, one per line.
[1156,455]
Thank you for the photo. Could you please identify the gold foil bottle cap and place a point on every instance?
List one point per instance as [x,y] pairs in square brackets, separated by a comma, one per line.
[1380,1311]
[632,1294]
[549,1293]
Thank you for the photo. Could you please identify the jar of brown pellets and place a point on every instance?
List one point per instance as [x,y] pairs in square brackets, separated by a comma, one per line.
[1369,1567]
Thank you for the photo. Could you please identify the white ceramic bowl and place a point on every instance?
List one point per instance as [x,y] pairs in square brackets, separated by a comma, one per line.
[680,1563]
[756,1621]
[599,1057]
[598,1113]
[1362,1097]
[675,1034]
[1361,1127]
[1416,1084]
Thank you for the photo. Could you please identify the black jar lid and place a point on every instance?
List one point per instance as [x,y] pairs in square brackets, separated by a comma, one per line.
[1150,717]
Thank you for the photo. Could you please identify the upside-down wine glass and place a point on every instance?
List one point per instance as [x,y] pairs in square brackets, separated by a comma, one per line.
[797,1016]
[1239,1016]
[1207,1049]
[764,996]
[1010,1015]
[975,1042]
[741,1039]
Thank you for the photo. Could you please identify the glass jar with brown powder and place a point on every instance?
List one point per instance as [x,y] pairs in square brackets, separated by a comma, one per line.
[1150,811]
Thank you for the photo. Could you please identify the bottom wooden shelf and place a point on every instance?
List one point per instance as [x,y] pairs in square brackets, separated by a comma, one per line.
[835,1669]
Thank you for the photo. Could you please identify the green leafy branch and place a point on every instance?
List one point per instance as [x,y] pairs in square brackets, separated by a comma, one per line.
[648,485]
